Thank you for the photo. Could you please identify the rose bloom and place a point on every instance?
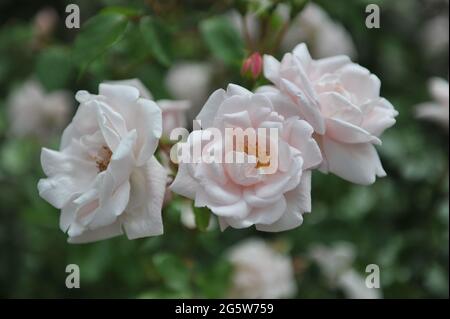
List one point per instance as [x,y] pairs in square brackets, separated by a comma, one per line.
[260,271]
[437,111]
[341,100]
[105,178]
[173,111]
[250,193]
[33,112]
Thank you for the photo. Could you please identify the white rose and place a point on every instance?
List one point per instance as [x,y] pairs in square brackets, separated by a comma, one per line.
[261,272]
[105,178]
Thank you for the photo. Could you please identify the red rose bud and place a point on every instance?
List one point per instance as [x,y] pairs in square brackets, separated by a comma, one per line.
[252,66]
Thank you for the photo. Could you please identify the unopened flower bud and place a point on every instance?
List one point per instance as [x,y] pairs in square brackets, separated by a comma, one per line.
[253,65]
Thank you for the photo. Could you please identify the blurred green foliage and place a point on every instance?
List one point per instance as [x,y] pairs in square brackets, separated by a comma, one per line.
[400,222]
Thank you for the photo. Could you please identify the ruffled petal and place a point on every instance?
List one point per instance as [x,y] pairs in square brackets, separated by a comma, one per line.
[148,124]
[357,163]
[143,214]
[345,132]
[209,110]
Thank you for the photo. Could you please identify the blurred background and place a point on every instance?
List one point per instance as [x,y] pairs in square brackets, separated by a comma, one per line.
[186,50]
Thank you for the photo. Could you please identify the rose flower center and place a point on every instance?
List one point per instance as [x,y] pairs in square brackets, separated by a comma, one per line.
[103,158]
[262,157]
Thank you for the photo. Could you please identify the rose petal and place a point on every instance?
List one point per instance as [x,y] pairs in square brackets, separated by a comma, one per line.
[143,217]
[357,163]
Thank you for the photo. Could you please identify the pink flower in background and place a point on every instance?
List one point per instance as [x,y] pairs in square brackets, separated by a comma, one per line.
[438,110]
[105,178]
[33,112]
[252,66]
[341,101]
[259,271]
[241,194]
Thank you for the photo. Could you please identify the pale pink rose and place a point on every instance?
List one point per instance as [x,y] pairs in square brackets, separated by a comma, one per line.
[438,110]
[341,100]
[34,112]
[259,271]
[105,178]
[173,111]
[241,195]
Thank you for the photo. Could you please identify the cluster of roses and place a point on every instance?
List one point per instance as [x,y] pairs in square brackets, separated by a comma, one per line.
[106,179]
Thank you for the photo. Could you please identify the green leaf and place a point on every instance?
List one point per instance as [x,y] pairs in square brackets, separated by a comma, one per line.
[174,273]
[97,35]
[54,68]
[202,217]
[223,40]
[151,34]
[126,11]
[15,156]
[215,280]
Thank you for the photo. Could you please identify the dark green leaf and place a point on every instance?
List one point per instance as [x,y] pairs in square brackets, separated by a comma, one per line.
[215,280]
[54,68]
[174,273]
[126,11]
[152,36]
[97,36]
